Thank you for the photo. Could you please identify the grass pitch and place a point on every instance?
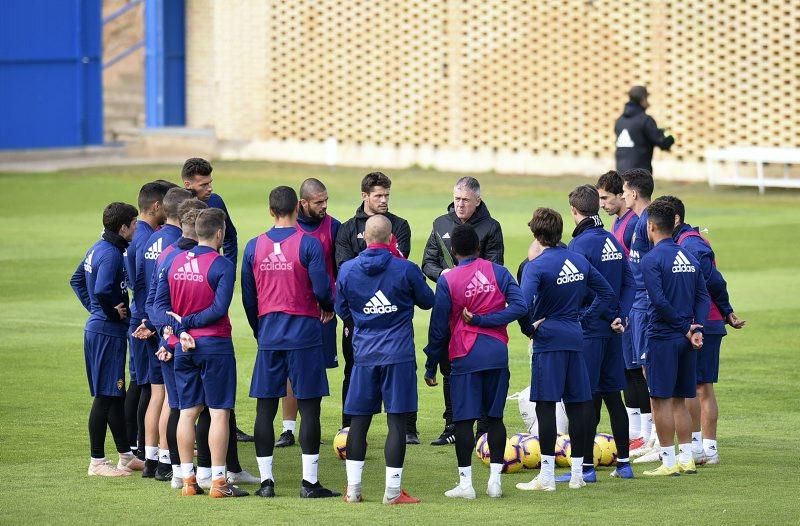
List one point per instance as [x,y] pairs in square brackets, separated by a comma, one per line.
[48,221]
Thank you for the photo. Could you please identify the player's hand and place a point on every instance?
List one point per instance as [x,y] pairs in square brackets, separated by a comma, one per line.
[121,311]
[466,316]
[326,316]
[693,327]
[431,382]
[177,317]
[537,323]
[734,321]
[168,332]
[163,354]
[534,250]
[187,342]
[142,332]
[617,326]
[697,340]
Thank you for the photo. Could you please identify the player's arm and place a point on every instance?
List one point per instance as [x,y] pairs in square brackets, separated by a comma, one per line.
[162,303]
[515,302]
[702,301]
[151,295]
[105,285]
[335,226]
[313,257]
[656,135]
[342,306]
[627,291]
[431,258]
[651,272]
[249,291]
[438,328]
[717,287]
[530,288]
[343,251]
[78,284]
[423,295]
[627,236]
[495,249]
[403,236]
[221,278]
[603,294]
[230,248]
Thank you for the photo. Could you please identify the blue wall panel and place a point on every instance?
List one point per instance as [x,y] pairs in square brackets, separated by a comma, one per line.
[165,63]
[50,73]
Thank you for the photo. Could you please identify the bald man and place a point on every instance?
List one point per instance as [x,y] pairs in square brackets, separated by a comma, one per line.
[377,292]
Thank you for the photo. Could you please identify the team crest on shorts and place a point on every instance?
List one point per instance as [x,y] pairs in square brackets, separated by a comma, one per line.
[120,384]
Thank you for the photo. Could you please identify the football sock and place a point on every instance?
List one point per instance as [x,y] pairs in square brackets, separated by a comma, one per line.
[310,465]
[647,426]
[697,441]
[634,422]
[685,453]
[710,447]
[265,468]
[548,470]
[151,452]
[289,425]
[163,456]
[494,473]
[394,477]
[465,476]
[354,470]
[217,472]
[577,467]
[668,456]
[203,473]
[187,469]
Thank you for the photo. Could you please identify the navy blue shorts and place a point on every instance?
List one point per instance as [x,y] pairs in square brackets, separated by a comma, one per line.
[154,365]
[305,368]
[168,373]
[559,375]
[395,385]
[205,379]
[708,359]
[479,393]
[329,344]
[637,326]
[131,362]
[140,359]
[605,364]
[105,363]
[671,368]
[627,350]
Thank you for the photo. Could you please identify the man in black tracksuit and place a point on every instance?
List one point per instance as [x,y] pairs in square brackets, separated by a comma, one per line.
[349,243]
[466,208]
[637,134]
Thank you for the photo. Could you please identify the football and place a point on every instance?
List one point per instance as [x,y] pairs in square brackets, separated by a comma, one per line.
[605,450]
[340,443]
[531,452]
[563,451]
[482,448]
[512,458]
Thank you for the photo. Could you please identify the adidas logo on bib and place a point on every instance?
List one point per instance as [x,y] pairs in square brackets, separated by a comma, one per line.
[189,272]
[154,251]
[276,260]
[478,284]
[569,273]
[379,304]
[682,264]
[610,252]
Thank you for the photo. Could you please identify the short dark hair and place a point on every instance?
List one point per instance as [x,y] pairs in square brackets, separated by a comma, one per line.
[150,194]
[547,226]
[611,182]
[166,184]
[661,213]
[677,204]
[195,166]
[311,186]
[637,94]
[373,179]
[640,180]
[208,222]
[282,201]
[117,214]
[189,209]
[173,199]
[464,240]
[585,199]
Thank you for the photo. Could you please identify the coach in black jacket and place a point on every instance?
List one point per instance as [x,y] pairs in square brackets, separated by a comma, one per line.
[637,134]
[467,207]
[350,243]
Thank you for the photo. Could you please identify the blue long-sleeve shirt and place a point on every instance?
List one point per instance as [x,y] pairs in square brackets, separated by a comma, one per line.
[606,255]
[378,292]
[134,255]
[180,245]
[640,246]
[715,282]
[627,236]
[230,245]
[100,284]
[221,279]
[488,352]
[278,331]
[554,285]
[676,288]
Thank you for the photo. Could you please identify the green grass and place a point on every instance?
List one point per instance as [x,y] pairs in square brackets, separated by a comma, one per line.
[48,220]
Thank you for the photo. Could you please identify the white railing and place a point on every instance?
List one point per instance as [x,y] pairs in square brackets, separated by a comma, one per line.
[736,155]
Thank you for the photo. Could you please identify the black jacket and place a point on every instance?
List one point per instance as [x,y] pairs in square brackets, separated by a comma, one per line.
[637,135]
[350,239]
[489,233]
